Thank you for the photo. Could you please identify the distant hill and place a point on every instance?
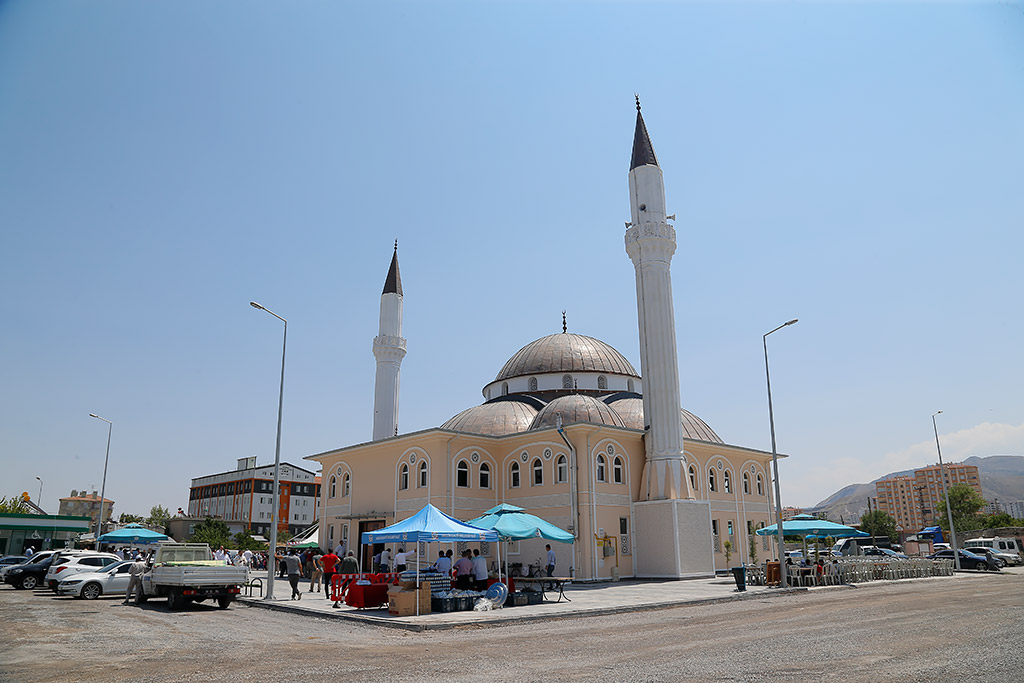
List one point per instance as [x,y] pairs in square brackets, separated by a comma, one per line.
[1002,477]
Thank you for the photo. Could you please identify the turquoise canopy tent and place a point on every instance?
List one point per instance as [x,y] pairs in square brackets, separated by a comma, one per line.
[807,526]
[514,524]
[132,533]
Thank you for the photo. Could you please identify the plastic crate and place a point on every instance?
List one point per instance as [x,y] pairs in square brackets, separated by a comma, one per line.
[534,598]
[443,604]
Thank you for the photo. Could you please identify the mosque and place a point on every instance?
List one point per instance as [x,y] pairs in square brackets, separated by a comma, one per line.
[570,431]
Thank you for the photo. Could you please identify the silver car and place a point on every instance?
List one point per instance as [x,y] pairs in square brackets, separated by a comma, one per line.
[111,580]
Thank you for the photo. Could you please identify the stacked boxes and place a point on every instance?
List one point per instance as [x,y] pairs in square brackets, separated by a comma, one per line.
[402,599]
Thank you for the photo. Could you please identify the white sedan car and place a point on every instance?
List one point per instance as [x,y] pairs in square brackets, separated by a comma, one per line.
[111,580]
[66,565]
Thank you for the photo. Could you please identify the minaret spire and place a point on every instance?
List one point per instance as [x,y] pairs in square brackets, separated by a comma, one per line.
[389,350]
[643,150]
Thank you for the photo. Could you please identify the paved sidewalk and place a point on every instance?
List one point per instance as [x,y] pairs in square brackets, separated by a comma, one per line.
[586,600]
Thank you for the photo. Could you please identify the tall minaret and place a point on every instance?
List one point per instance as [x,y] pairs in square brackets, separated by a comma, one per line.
[650,243]
[389,350]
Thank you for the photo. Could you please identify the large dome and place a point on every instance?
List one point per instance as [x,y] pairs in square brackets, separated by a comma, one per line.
[566,352]
[496,418]
[630,407]
[576,408]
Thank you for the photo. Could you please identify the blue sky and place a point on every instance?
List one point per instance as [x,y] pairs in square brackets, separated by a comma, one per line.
[855,165]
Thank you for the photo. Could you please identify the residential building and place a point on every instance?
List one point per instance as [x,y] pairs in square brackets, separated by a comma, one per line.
[244,497]
[82,504]
[916,502]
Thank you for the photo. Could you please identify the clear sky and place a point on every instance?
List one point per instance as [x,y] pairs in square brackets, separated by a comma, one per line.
[854,165]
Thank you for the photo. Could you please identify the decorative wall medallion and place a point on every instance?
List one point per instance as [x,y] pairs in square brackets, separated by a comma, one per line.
[547,453]
[720,467]
[340,471]
[525,456]
[611,450]
[754,469]
[476,458]
[412,457]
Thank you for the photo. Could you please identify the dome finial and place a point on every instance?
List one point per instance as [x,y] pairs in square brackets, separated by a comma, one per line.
[396,245]
[637,96]
[565,328]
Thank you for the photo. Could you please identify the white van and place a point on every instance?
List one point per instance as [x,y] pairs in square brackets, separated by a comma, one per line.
[1007,546]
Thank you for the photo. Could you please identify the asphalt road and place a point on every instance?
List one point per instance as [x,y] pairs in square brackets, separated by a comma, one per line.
[967,627]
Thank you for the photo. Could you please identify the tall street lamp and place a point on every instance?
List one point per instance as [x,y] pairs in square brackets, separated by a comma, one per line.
[945,492]
[272,559]
[775,462]
[103,489]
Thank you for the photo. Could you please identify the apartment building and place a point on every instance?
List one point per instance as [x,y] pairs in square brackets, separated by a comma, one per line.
[916,502]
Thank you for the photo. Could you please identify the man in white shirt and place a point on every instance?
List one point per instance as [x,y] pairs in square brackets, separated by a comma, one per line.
[401,559]
[479,570]
[385,560]
[247,554]
[339,549]
[219,554]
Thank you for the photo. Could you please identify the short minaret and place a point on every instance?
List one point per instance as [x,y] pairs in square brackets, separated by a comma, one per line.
[650,243]
[389,350]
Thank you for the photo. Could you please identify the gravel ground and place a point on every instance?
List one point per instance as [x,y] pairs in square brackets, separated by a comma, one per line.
[884,631]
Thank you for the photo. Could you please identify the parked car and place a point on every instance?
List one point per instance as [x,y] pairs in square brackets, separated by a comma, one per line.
[1008,549]
[111,580]
[28,575]
[995,559]
[968,560]
[882,552]
[8,561]
[64,566]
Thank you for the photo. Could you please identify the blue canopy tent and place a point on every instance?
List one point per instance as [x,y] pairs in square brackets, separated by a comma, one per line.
[808,526]
[429,525]
[132,533]
[515,524]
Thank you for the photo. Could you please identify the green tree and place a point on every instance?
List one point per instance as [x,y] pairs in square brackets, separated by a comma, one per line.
[753,550]
[243,540]
[128,518]
[728,553]
[999,519]
[878,523]
[964,502]
[283,537]
[213,532]
[158,516]
[15,505]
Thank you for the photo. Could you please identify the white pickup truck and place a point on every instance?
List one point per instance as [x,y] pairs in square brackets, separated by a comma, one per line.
[187,572]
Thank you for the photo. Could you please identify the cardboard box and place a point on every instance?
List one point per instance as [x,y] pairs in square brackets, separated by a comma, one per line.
[403,602]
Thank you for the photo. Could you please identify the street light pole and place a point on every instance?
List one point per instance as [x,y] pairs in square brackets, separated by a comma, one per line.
[103,488]
[39,500]
[945,492]
[779,535]
[272,558]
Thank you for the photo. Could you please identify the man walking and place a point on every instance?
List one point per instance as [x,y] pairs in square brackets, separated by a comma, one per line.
[551,560]
[294,569]
[479,570]
[135,572]
[330,564]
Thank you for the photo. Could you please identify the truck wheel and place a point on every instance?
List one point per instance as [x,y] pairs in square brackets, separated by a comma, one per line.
[223,602]
[174,600]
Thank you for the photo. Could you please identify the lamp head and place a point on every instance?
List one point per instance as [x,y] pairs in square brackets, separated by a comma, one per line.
[93,415]
[255,305]
[793,321]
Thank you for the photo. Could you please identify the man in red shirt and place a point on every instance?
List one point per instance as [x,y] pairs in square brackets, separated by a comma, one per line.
[330,563]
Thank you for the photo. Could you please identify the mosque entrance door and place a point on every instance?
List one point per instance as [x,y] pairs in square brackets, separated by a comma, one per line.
[370,550]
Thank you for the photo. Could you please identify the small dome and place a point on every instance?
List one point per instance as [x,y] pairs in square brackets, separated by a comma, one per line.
[630,408]
[496,418]
[576,408]
[566,352]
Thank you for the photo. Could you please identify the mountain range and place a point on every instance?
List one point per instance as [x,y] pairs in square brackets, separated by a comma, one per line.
[1002,477]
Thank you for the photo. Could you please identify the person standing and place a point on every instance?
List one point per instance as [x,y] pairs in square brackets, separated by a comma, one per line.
[400,559]
[318,570]
[330,564]
[294,568]
[247,554]
[480,570]
[385,560]
[443,564]
[339,549]
[349,565]
[463,571]
[29,551]
[220,554]
[551,560]
[135,572]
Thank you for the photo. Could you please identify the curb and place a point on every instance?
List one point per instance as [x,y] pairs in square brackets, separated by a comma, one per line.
[504,620]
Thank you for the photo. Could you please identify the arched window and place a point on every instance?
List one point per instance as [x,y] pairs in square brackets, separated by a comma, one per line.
[561,470]
[533,384]
[567,381]
[504,388]
[423,474]
[602,383]
[514,476]
[333,490]
[712,486]
[346,487]
[600,468]
[760,490]
[330,535]
[727,483]
[746,484]
[617,475]
[538,472]
[462,474]
[403,477]
[693,479]
[485,476]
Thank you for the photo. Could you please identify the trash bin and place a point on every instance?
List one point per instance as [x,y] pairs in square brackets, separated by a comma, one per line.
[740,574]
